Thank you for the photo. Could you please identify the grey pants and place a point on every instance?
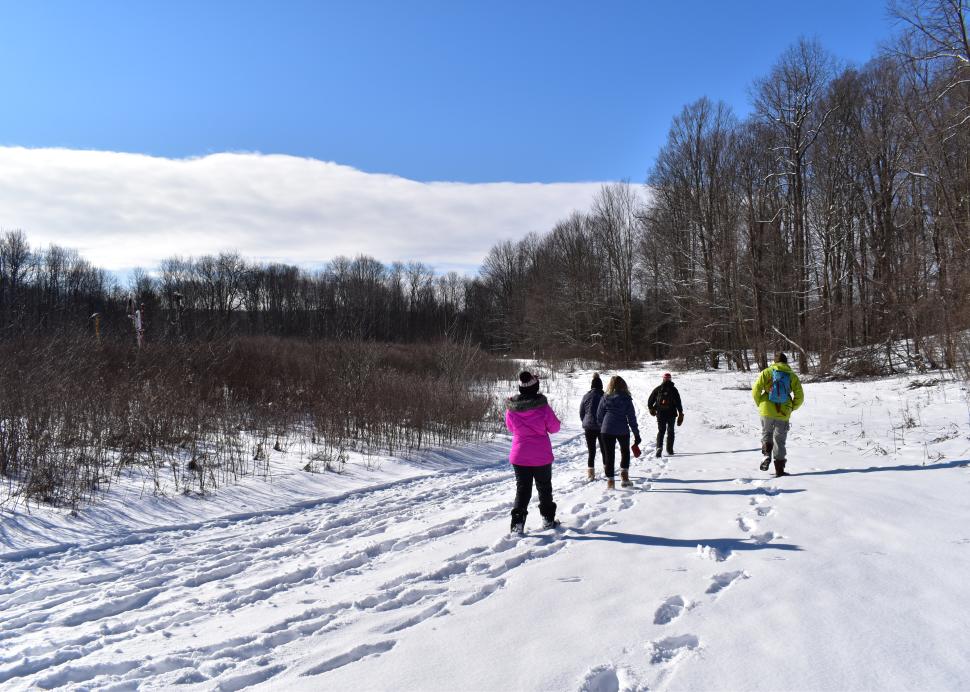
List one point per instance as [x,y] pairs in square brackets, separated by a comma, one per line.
[774,432]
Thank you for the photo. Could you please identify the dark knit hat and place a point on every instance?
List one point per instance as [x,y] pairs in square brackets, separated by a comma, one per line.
[597,383]
[780,357]
[528,383]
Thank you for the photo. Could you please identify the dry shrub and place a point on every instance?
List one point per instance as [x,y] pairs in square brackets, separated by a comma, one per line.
[74,413]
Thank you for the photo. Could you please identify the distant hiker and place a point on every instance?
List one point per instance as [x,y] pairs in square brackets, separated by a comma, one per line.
[591,426]
[616,417]
[777,392]
[664,403]
[531,420]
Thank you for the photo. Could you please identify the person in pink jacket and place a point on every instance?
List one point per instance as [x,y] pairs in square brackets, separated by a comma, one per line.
[531,420]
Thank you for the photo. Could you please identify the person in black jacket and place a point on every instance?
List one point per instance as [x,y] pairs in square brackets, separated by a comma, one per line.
[591,427]
[664,403]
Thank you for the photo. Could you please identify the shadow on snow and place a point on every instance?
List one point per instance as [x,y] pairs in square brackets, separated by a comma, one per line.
[877,469]
[724,546]
[702,491]
[961,463]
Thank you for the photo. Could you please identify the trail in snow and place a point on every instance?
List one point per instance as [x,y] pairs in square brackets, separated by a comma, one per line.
[88,603]
[220,583]
[415,584]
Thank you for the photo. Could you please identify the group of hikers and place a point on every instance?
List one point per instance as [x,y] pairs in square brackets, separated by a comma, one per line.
[609,417]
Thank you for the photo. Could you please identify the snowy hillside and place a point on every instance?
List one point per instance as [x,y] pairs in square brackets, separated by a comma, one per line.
[707,574]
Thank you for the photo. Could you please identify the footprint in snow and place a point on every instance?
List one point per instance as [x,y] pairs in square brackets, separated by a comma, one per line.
[670,610]
[600,679]
[725,579]
[747,525]
[707,552]
[436,610]
[764,511]
[352,656]
[485,591]
[671,648]
[765,537]
[505,543]
[238,682]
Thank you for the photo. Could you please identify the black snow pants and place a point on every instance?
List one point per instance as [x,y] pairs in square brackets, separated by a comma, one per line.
[608,443]
[666,424]
[525,476]
[592,436]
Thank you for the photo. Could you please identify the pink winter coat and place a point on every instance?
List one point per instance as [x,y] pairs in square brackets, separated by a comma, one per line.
[530,421]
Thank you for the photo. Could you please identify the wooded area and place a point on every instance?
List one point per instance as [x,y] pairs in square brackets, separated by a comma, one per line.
[833,221]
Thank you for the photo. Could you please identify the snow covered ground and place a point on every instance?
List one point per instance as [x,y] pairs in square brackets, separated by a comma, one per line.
[707,574]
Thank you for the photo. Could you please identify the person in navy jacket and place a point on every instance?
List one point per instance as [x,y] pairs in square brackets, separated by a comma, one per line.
[617,417]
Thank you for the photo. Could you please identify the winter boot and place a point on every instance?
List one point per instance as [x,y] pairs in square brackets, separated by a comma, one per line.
[670,450]
[780,467]
[549,523]
[590,473]
[625,479]
[658,453]
[518,522]
[766,448]
[610,485]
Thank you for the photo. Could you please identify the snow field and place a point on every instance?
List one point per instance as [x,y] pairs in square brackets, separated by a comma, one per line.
[706,574]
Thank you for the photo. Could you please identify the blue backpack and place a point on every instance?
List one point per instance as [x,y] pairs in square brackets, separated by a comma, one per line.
[780,392]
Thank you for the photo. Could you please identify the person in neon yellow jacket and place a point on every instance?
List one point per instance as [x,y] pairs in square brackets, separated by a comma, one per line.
[777,392]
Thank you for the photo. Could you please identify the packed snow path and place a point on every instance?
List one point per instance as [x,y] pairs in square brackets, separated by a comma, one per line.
[707,573]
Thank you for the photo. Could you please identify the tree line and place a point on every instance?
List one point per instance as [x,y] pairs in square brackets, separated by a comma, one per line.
[54,290]
[834,220]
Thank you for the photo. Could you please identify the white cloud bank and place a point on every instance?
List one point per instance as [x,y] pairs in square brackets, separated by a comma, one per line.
[124,210]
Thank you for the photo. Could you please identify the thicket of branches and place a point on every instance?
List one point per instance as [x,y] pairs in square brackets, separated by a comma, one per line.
[835,220]
[74,413]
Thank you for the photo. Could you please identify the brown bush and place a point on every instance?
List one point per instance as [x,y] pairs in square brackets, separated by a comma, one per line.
[74,414]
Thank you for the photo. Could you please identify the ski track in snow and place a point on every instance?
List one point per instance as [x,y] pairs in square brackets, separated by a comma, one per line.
[257,561]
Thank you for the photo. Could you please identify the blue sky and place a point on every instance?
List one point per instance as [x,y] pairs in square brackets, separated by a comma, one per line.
[428,90]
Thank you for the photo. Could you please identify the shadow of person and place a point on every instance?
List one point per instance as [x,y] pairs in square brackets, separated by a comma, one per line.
[742,491]
[884,469]
[721,451]
[723,546]
[830,472]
